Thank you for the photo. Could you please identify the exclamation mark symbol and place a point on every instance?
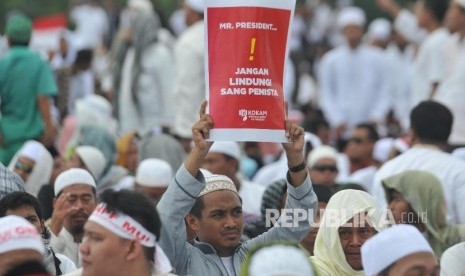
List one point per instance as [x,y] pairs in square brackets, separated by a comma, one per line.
[252,48]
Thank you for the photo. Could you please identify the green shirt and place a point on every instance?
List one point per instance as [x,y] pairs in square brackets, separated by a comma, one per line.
[24,76]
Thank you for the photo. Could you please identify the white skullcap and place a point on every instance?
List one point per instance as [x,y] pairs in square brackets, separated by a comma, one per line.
[32,150]
[205,172]
[228,148]
[72,177]
[143,5]
[319,153]
[280,260]
[379,29]
[217,182]
[461,3]
[196,5]
[351,16]
[391,245]
[154,173]
[452,260]
[459,153]
[312,139]
[401,145]
[382,149]
[93,158]
[17,233]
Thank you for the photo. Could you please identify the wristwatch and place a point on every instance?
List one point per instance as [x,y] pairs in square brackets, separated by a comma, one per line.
[298,168]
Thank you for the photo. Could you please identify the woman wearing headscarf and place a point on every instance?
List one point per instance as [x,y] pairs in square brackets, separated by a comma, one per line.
[417,198]
[127,151]
[143,77]
[34,164]
[351,217]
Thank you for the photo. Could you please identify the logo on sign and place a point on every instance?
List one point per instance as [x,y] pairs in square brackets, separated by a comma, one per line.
[254,115]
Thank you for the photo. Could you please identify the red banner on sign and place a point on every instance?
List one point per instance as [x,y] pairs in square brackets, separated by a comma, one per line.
[246,58]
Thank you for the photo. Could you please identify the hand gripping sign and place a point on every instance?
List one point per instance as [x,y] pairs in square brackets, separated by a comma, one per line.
[245,61]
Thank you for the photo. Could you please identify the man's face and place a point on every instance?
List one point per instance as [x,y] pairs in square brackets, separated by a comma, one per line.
[218,163]
[399,207]
[81,197]
[221,222]
[352,236]
[324,172]
[309,241]
[24,167]
[103,253]
[423,15]
[132,157]
[359,146]
[190,16]
[155,193]
[29,213]
[353,34]
[416,264]
[455,18]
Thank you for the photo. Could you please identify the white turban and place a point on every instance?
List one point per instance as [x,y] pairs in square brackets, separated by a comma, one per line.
[391,245]
[17,233]
[382,149]
[71,177]
[93,158]
[231,149]
[280,260]
[154,173]
[142,5]
[351,16]
[461,3]
[379,29]
[320,153]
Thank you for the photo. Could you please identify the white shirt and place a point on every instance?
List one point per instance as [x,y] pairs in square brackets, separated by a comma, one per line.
[272,172]
[354,87]
[251,194]
[65,245]
[91,26]
[190,79]
[429,66]
[451,92]
[364,177]
[228,264]
[448,169]
[66,264]
[401,72]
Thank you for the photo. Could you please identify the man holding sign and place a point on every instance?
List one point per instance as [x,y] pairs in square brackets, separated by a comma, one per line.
[246,54]
[215,209]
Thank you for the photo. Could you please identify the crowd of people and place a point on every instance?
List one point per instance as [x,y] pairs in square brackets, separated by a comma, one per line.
[107,167]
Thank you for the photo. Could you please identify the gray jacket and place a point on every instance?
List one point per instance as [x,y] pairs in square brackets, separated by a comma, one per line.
[201,259]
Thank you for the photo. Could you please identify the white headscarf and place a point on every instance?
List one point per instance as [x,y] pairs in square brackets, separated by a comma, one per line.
[43,167]
[329,256]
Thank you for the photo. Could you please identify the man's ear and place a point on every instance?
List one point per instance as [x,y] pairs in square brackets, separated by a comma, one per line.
[134,250]
[193,222]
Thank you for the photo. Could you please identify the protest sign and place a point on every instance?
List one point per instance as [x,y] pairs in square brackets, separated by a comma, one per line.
[244,63]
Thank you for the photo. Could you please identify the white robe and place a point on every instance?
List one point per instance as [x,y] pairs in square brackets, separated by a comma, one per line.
[65,245]
[190,73]
[354,86]
[451,92]
[448,169]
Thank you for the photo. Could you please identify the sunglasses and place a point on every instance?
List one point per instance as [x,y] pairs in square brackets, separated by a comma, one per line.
[323,168]
[20,166]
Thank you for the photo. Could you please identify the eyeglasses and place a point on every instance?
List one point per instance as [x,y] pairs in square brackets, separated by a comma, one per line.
[20,166]
[322,168]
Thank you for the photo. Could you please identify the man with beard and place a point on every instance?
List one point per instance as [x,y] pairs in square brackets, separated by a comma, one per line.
[75,200]
[215,209]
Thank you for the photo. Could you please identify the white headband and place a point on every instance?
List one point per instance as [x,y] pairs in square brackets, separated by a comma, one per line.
[127,228]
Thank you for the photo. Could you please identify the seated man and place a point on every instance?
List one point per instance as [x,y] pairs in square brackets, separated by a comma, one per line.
[399,250]
[216,210]
[121,237]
